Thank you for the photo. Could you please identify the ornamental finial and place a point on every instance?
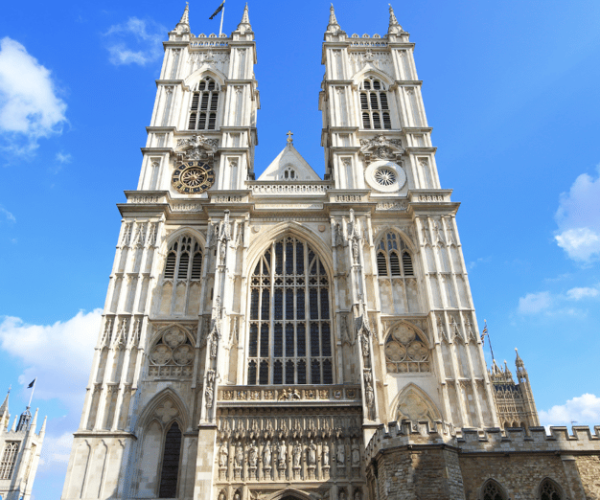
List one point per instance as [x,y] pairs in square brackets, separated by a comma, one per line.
[395,27]
[289,139]
[333,26]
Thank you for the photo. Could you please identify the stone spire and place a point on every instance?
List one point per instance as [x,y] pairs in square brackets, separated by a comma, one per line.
[245,22]
[519,362]
[43,429]
[183,26]
[395,27]
[4,406]
[333,26]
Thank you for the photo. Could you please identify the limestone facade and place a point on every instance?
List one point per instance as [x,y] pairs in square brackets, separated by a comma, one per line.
[258,332]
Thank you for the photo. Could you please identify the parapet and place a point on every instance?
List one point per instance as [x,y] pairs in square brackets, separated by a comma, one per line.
[488,440]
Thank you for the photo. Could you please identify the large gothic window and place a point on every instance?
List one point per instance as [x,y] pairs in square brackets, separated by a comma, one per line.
[9,458]
[374,105]
[205,102]
[290,325]
[181,277]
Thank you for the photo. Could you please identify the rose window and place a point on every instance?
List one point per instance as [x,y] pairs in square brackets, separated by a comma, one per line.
[385,177]
[172,355]
[405,351]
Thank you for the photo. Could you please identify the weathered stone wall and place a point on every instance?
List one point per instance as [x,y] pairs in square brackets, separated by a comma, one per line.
[414,462]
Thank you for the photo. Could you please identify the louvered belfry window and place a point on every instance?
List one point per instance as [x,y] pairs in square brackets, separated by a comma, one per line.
[184,260]
[290,317]
[375,110]
[393,257]
[205,103]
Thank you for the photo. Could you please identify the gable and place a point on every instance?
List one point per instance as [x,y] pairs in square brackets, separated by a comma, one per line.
[289,162]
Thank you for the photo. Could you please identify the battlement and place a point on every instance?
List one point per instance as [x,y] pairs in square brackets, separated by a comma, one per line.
[489,440]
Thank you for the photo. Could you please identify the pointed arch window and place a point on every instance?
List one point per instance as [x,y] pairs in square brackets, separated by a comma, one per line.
[170,462]
[182,277]
[9,459]
[290,319]
[393,257]
[493,491]
[205,104]
[549,491]
[375,110]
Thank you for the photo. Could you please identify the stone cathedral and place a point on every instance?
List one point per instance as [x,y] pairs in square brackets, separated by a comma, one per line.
[289,337]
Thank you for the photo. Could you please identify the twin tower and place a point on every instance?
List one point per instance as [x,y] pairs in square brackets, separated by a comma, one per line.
[260,334]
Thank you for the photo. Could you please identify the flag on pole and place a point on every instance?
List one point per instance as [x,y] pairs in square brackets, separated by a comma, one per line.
[484,334]
[219,9]
[32,383]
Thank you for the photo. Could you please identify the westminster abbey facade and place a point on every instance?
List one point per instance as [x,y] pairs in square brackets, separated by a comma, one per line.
[287,337]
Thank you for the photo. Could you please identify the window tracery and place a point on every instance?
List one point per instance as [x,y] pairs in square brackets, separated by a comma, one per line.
[9,458]
[549,491]
[182,277]
[492,491]
[374,105]
[205,103]
[290,326]
[405,351]
[393,257]
[171,355]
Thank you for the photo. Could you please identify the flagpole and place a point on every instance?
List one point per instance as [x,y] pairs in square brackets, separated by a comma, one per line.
[221,26]
[32,389]
[490,339]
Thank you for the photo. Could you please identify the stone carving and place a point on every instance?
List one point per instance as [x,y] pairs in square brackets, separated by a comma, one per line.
[297,455]
[253,455]
[341,454]
[342,495]
[196,147]
[167,411]
[172,354]
[223,455]
[355,453]
[209,391]
[415,405]
[381,148]
[339,235]
[282,452]
[345,335]
[312,454]
[239,456]
[369,393]
[357,495]
[267,455]
[325,454]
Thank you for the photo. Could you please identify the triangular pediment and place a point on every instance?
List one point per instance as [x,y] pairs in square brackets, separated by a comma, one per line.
[291,162]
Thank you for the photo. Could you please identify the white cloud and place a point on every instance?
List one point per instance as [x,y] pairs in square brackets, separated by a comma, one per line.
[56,449]
[579,293]
[59,355]
[585,410]
[534,303]
[63,157]
[29,106]
[135,42]
[578,219]
[9,216]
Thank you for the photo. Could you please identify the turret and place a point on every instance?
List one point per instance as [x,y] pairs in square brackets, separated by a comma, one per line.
[24,420]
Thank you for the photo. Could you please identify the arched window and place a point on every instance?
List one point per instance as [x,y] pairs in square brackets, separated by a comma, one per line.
[493,491]
[405,351]
[170,462]
[205,103]
[182,276]
[183,252]
[393,257]
[290,325]
[290,174]
[549,491]
[374,105]
[9,458]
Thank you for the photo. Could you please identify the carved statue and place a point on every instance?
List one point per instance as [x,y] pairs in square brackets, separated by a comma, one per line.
[339,236]
[357,495]
[282,455]
[209,394]
[341,454]
[253,454]
[343,495]
[222,496]
[355,454]
[364,344]
[213,345]
[267,455]
[223,454]
[297,455]
[237,496]
[239,456]
[325,454]
[312,453]
[355,250]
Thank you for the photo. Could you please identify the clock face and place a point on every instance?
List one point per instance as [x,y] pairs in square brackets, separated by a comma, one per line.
[193,177]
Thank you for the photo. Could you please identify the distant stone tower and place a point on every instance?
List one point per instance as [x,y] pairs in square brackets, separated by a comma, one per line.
[20,449]
[261,336]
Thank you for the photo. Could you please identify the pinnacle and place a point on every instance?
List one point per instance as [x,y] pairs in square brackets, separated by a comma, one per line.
[245,18]
[395,27]
[4,406]
[518,361]
[333,25]
[185,18]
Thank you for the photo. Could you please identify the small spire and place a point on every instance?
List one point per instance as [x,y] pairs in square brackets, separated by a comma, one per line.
[34,421]
[333,26]
[519,361]
[290,140]
[14,425]
[4,406]
[43,429]
[185,19]
[245,22]
[395,27]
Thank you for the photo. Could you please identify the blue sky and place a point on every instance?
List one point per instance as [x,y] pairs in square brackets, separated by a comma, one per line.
[510,87]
